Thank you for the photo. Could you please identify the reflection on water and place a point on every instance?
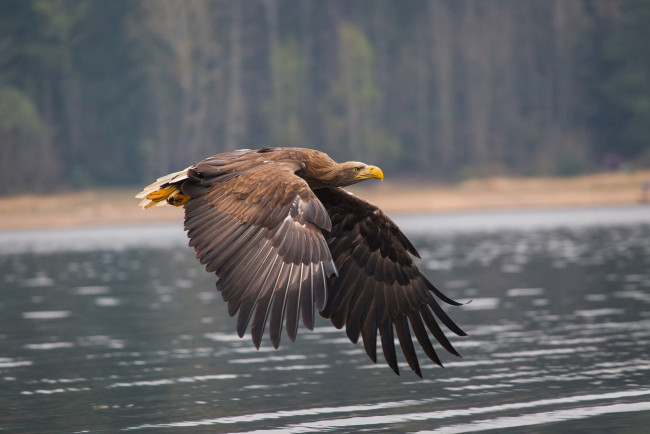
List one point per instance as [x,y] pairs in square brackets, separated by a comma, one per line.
[98,334]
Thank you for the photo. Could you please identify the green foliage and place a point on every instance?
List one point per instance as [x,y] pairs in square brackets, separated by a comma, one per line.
[23,146]
[18,114]
[356,65]
[285,113]
[354,119]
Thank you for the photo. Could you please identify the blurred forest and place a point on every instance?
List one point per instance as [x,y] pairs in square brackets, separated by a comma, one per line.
[97,93]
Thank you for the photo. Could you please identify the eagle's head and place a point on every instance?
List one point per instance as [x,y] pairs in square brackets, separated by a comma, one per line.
[351,172]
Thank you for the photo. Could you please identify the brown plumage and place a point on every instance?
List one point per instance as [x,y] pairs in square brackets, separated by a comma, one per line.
[284,239]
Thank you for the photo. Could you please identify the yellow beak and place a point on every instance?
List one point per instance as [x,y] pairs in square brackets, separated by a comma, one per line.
[371,172]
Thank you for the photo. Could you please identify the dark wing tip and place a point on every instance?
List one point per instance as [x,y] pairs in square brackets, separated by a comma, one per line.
[441,295]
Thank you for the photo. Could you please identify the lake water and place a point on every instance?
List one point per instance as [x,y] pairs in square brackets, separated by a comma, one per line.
[119,328]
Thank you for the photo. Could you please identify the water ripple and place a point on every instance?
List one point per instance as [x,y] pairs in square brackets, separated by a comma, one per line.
[366,421]
[542,418]
[170,381]
[47,314]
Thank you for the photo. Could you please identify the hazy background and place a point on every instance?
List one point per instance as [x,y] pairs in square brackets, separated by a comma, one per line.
[102,93]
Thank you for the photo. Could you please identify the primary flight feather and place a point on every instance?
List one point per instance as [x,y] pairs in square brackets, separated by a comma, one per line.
[285,239]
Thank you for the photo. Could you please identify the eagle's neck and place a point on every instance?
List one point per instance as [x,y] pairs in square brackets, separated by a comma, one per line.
[324,173]
[322,176]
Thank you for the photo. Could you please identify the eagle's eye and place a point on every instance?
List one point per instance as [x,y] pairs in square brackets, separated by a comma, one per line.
[357,169]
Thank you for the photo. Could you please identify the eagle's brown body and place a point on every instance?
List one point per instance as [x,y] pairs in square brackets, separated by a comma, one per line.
[284,239]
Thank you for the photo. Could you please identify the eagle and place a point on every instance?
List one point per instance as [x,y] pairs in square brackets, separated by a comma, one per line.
[285,239]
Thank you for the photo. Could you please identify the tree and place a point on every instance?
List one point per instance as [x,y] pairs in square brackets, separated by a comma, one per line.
[117,92]
[180,54]
[24,145]
[622,84]
[354,97]
[288,97]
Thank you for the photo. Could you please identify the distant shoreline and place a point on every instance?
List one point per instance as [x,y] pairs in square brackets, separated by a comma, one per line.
[118,206]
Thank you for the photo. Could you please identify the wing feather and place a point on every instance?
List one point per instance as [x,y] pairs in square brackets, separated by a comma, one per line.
[369,332]
[278,309]
[293,304]
[388,344]
[263,306]
[404,336]
[380,288]
[252,294]
[307,299]
[257,225]
[421,334]
[359,311]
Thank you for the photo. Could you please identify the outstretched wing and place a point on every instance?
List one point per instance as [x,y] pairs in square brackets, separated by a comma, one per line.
[258,227]
[379,287]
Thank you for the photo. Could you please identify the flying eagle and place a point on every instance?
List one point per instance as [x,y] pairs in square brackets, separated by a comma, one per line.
[284,239]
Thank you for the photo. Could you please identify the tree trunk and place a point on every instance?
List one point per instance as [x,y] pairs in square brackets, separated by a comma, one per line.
[235,127]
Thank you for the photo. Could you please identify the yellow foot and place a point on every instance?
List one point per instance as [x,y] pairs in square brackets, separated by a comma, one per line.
[161,194]
[179,199]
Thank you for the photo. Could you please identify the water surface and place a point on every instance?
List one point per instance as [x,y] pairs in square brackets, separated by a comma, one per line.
[119,328]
